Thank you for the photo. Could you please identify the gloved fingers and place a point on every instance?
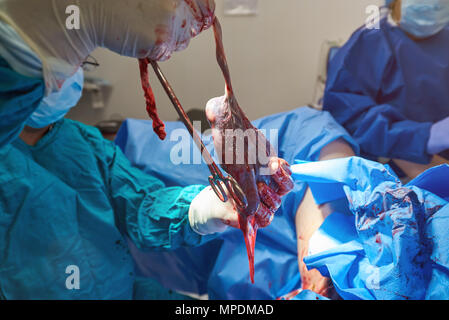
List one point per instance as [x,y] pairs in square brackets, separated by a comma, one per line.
[209,227]
[281,175]
[264,216]
[286,166]
[269,197]
[231,218]
[226,212]
[215,226]
[270,202]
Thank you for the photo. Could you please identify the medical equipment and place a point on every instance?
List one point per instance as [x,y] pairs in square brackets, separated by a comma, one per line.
[217,180]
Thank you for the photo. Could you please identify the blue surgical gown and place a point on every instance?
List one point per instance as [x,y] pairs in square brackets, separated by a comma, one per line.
[75,200]
[395,246]
[387,90]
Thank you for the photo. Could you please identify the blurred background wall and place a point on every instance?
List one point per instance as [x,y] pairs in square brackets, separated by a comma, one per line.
[273,58]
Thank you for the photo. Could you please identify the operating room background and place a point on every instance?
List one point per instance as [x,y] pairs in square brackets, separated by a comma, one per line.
[273,56]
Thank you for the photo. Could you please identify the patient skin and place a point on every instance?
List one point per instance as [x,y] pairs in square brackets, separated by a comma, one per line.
[412,170]
[32,136]
[309,218]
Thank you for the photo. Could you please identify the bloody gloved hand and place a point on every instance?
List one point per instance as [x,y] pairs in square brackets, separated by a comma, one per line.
[134,28]
[208,214]
[277,184]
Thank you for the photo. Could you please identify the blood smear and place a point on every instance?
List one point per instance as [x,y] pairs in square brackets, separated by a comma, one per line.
[158,125]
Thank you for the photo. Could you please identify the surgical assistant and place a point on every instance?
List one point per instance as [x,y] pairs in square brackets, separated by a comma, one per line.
[69,199]
[389,86]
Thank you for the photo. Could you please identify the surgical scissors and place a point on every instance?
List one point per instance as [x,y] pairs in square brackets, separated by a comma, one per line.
[217,180]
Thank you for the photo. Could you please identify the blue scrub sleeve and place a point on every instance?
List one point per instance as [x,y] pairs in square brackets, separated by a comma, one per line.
[355,79]
[19,97]
[153,216]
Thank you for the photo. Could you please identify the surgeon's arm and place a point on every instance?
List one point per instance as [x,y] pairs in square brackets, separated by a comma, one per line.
[310,217]
[354,83]
[152,215]
[70,31]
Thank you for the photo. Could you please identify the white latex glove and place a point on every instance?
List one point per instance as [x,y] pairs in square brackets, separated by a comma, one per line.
[439,137]
[208,214]
[134,28]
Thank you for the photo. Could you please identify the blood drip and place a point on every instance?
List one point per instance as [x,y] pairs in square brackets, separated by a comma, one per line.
[249,228]
[248,221]
[158,125]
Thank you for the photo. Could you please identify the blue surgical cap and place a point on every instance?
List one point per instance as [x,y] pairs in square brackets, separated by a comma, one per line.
[388,2]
